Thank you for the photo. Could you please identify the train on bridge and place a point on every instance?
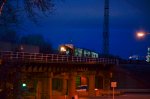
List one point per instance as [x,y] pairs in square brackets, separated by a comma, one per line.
[63,49]
[71,50]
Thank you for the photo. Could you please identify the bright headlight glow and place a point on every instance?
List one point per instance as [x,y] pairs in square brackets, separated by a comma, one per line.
[62,49]
[140,34]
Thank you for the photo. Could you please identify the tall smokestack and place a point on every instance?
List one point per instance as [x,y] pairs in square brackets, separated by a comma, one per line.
[106,28]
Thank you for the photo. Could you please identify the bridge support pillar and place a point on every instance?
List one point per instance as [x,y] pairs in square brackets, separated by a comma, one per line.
[92,85]
[106,83]
[50,86]
[38,90]
[72,85]
[65,86]
[44,88]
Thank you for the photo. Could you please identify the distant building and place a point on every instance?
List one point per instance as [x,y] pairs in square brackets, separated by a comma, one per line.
[134,57]
[7,46]
[27,48]
[148,55]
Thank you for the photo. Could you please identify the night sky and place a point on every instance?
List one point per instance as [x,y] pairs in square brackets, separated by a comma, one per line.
[80,22]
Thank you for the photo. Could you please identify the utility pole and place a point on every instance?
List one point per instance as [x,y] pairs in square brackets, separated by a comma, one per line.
[106,28]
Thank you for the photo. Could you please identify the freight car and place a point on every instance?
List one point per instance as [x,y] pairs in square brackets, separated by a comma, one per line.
[69,49]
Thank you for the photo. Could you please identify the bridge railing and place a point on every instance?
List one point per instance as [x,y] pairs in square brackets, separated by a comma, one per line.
[53,58]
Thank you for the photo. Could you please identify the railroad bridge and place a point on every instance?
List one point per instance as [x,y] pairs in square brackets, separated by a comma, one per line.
[52,76]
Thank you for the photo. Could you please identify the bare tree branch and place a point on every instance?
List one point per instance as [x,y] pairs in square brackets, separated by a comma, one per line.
[31,7]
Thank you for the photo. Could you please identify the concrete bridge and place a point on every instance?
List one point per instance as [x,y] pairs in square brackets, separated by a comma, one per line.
[52,76]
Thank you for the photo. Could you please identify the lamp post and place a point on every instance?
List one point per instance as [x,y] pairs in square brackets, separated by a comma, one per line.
[142,34]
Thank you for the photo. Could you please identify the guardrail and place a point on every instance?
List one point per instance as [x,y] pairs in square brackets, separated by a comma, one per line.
[39,57]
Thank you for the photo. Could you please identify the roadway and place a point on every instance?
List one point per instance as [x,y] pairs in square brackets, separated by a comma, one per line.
[125,96]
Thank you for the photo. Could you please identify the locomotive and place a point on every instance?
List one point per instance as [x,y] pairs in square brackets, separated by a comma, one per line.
[69,49]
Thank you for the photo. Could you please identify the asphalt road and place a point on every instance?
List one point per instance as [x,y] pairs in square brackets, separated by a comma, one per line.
[125,96]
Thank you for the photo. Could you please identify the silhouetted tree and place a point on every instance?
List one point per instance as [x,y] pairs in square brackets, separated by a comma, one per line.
[9,36]
[11,12]
[33,39]
[9,17]
[31,7]
[46,48]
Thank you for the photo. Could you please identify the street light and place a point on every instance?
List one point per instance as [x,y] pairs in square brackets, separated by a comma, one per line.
[141,34]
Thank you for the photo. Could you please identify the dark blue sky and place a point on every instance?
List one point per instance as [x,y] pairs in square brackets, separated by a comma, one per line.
[81,22]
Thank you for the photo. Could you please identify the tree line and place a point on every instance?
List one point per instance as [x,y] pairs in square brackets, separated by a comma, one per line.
[30,39]
[11,12]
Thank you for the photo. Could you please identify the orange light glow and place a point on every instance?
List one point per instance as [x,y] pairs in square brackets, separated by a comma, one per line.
[62,49]
[140,34]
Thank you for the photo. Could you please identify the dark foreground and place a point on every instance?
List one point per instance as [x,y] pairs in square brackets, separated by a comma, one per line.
[125,96]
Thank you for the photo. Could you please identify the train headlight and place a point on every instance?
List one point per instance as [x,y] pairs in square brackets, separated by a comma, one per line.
[62,49]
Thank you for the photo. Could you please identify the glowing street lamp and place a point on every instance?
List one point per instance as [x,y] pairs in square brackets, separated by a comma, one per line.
[141,34]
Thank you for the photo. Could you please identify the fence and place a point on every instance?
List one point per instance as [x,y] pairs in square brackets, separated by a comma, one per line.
[39,57]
